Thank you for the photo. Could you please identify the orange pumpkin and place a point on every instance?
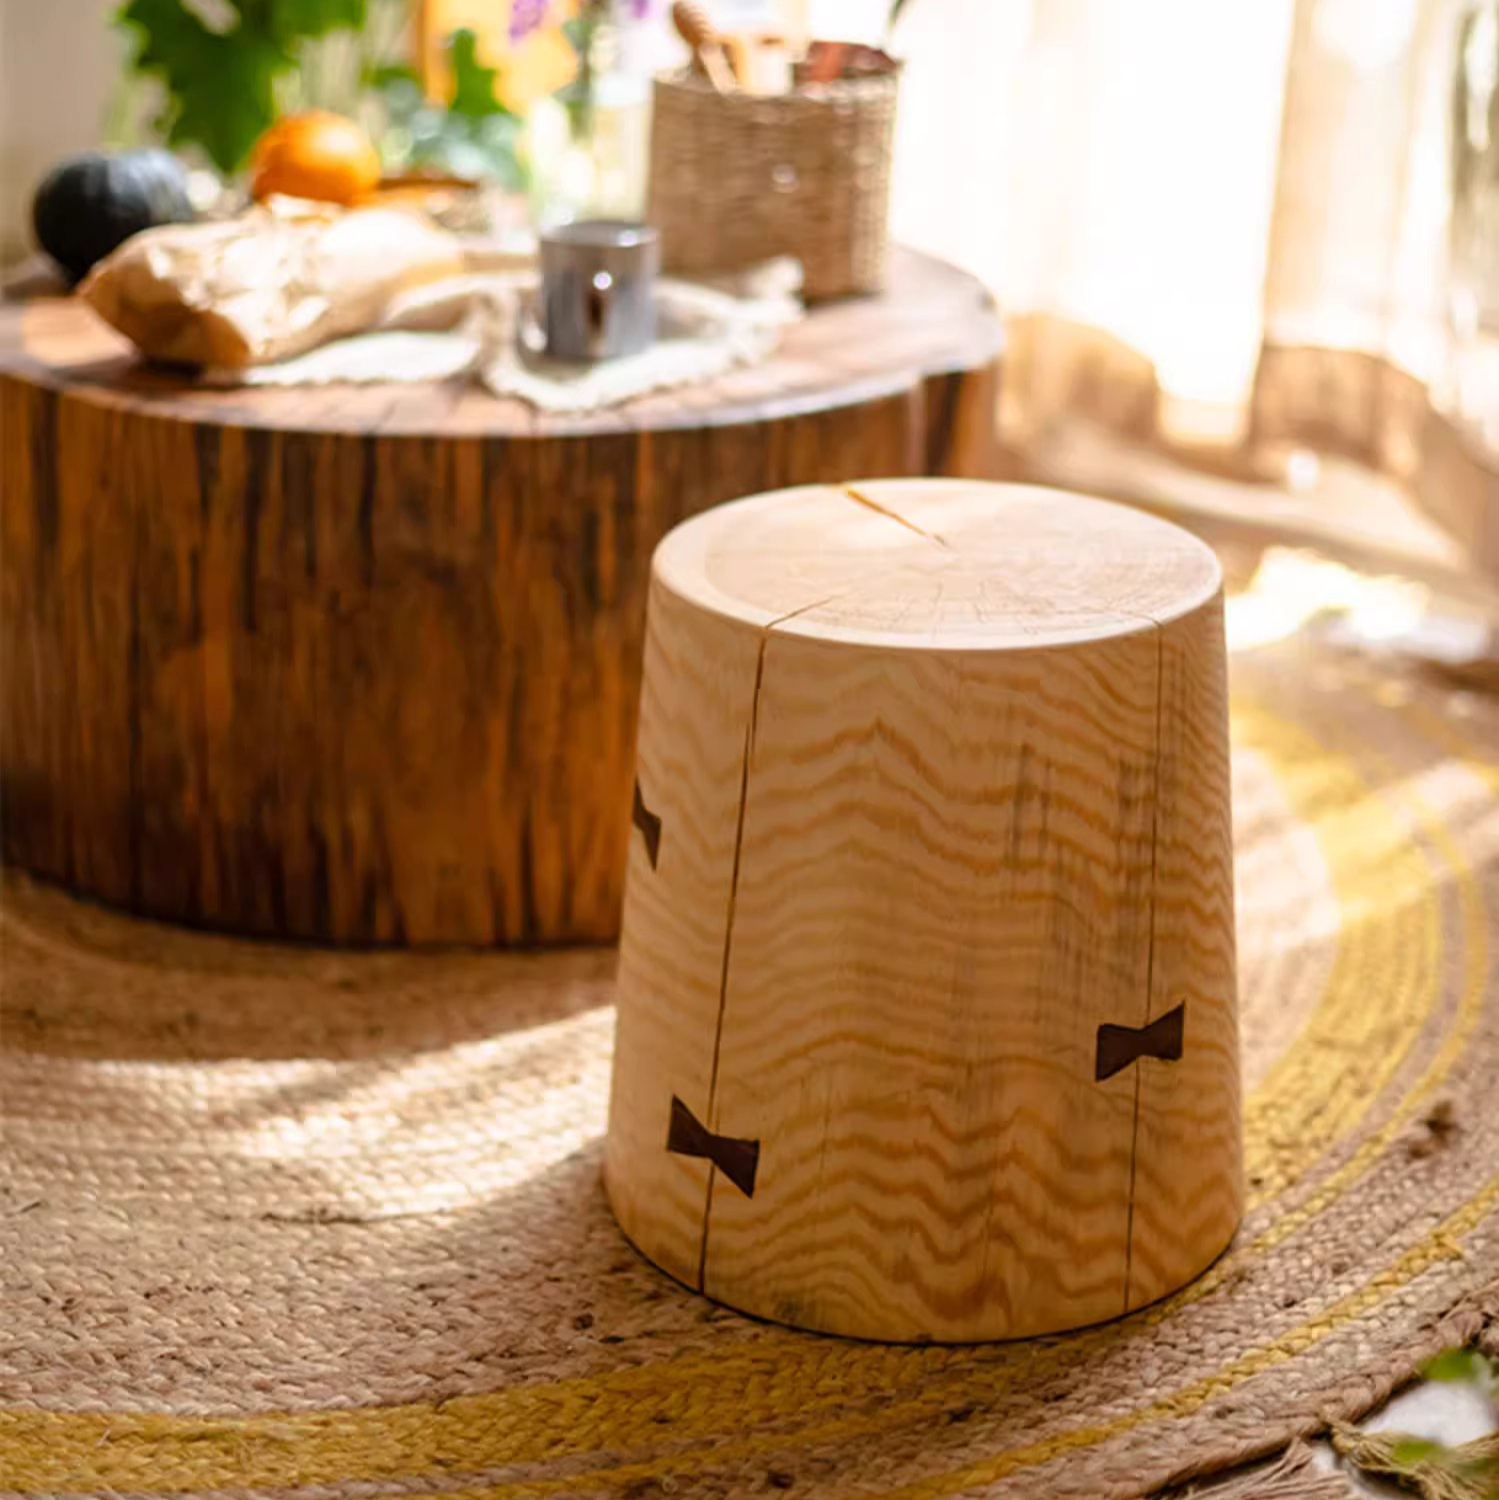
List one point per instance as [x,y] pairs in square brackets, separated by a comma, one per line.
[315,154]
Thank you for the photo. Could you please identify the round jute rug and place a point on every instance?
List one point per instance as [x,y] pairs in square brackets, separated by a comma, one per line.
[281,1222]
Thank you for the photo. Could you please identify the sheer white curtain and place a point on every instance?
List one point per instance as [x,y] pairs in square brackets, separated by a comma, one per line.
[1217,225]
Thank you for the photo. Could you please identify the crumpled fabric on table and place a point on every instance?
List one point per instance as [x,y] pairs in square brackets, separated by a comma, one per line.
[480,325]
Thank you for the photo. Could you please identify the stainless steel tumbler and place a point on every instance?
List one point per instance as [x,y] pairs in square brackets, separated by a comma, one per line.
[598,279]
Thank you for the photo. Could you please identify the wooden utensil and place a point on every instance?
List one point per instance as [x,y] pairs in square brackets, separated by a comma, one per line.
[825,61]
[828,61]
[761,62]
[695,27]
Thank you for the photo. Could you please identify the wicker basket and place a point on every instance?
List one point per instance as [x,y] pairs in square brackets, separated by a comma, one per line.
[739,178]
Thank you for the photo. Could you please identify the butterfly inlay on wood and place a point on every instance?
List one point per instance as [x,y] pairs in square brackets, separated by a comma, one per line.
[737,1160]
[1119,1046]
[649,825]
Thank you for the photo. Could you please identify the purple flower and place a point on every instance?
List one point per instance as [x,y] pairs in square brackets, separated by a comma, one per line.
[526,16]
[640,10]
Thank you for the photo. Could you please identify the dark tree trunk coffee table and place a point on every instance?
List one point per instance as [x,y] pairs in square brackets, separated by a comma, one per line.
[359,664]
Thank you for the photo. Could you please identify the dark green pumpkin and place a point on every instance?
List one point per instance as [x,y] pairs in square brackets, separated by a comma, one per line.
[90,203]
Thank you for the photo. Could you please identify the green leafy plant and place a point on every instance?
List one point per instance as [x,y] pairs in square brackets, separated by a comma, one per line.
[474,84]
[220,81]
[475,135]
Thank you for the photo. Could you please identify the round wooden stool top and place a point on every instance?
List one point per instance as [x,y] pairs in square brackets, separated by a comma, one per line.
[360,663]
[927,1012]
[933,565]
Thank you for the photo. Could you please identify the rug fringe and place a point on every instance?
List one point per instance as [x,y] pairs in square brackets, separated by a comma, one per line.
[1469,1471]
[1289,1477]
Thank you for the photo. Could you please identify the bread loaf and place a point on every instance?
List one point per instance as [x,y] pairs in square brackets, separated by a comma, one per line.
[272,283]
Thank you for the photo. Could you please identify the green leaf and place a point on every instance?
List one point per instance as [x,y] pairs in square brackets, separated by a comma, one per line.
[473,83]
[392,75]
[291,20]
[220,85]
[1407,1452]
[1456,1365]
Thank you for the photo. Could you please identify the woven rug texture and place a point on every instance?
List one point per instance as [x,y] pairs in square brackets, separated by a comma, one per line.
[281,1221]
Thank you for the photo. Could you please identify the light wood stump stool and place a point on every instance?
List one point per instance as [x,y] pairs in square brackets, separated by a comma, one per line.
[926,989]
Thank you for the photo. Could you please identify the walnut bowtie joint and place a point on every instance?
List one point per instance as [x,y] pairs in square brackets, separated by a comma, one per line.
[649,824]
[1119,1046]
[737,1160]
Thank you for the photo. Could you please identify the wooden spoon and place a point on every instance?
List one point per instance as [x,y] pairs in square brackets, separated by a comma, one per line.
[695,27]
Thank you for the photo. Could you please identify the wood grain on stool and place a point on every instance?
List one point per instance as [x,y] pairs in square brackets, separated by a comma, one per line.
[941,778]
[362,663]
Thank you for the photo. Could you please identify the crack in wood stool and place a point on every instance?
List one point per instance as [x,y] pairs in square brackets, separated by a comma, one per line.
[926,988]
